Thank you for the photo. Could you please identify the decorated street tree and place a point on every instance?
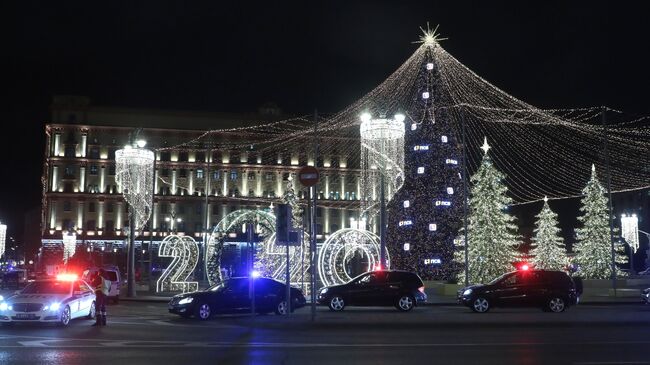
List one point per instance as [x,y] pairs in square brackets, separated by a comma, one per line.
[593,246]
[549,251]
[492,238]
[426,213]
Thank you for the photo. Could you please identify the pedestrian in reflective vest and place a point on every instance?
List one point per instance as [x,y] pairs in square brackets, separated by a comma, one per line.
[99,284]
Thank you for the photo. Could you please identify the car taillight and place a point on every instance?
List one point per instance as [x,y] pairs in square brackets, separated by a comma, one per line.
[421,289]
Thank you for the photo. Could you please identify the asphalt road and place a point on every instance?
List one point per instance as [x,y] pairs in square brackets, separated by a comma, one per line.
[143,333]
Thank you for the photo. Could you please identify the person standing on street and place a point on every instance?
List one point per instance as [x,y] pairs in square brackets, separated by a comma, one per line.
[99,284]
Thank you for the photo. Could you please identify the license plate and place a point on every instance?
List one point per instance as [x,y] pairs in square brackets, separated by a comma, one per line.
[24,316]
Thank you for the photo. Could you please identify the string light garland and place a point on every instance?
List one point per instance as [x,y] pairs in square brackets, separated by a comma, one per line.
[134,177]
[69,245]
[3,238]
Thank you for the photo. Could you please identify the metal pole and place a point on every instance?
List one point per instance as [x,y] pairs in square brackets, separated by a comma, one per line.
[150,248]
[603,115]
[208,157]
[382,222]
[465,198]
[288,283]
[130,271]
[312,225]
[251,255]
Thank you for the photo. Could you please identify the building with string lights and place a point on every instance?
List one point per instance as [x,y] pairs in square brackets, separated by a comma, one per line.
[200,177]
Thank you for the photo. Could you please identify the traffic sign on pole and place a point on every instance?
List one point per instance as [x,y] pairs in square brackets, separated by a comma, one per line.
[308,176]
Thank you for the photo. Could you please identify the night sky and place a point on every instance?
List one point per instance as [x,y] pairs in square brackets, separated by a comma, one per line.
[214,56]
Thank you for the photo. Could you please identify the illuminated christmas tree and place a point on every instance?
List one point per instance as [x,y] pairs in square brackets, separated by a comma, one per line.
[593,246]
[492,233]
[549,251]
[425,214]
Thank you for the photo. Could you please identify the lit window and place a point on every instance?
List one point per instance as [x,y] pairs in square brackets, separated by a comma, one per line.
[450,190]
[414,126]
[429,66]
[233,175]
[433,227]
[199,173]
[407,203]
[425,95]
[444,139]
[420,170]
[407,246]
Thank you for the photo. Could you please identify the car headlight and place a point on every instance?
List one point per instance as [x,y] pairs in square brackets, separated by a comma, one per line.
[4,306]
[323,291]
[467,292]
[54,307]
[187,300]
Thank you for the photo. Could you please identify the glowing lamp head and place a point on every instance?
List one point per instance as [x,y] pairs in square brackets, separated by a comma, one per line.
[365,117]
[400,117]
[66,277]
[255,274]
[141,143]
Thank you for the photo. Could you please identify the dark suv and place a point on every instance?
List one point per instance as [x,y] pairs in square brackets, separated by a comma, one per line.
[552,291]
[401,289]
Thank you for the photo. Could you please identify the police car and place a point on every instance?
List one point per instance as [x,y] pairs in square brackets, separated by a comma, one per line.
[50,301]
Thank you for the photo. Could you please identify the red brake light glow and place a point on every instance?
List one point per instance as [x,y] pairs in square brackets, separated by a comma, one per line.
[66,277]
[525,267]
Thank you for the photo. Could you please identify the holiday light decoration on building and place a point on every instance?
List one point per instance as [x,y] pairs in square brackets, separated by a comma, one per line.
[69,245]
[342,250]
[3,238]
[184,252]
[134,176]
[630,230]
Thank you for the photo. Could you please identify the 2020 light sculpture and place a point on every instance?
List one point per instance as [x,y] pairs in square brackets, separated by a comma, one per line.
[339,249]
[185,255]
[69,245]
[270,259]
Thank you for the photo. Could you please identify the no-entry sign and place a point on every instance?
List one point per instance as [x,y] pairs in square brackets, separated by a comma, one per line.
[308,176]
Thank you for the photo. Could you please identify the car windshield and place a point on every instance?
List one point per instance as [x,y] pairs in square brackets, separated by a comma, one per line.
[502,277]
[47,287]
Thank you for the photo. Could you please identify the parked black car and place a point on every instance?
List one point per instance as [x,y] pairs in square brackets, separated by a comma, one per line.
[233,296]
[401,289]
[550,290]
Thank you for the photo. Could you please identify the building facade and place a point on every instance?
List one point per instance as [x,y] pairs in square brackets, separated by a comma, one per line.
[195,187]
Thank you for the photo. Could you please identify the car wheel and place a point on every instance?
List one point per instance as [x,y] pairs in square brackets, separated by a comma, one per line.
[556,305]
[405,303]
[203,311]
[92,311]
[480,305]
[336,303]
[65,317]
[281,308]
